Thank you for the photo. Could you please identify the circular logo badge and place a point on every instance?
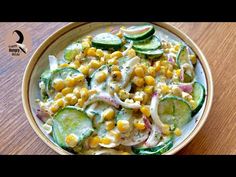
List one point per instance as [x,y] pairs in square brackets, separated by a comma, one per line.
[18,43]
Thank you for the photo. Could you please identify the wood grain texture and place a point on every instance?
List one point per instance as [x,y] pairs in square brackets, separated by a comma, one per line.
[216,40]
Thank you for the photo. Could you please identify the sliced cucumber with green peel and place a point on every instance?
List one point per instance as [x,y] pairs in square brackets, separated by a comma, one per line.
[71,51]
[106,41]
[198,96]
[151,53]
[140,36]
[150,44]
[182,56]
[174,110]
[71,120]
[166,145]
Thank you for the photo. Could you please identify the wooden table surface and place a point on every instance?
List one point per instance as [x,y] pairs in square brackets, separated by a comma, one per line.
[218,136]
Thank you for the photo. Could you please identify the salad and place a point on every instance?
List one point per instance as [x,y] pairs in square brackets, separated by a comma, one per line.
[127,91]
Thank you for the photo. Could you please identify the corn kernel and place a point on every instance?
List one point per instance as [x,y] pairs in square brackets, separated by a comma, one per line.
[71,98]
[115,68]
[77,63]
[164,63]
[54,108]
[92,92]
[108,114]
[145,98]
[89,37]
[116,54]
[58,96]
[138,81]
[63,65]
[76,91]
[169,74]
[119,34]
[163,70]
[105,140]
[99,53]
[148,89]
[84,93]
[177,132]
[60,102]
[139,71]
[94,142]
[193,104]
[177,47]
[123,94]
[131,53]
[58,84]
[158,66]
[70,82]
[193,59]
[178,72]
[145,110]
[107,56]
[67,90]
[166,50]
[176,91]
[71,140]
[152,71]
[109,125]
[149,80]
[113,61]
[91,52]
[116,75]
[79,77]
[85,44]
[102,60]
[94,64]
[101,76]
[139,125]
[165,89]
[80,102]
[123,125]
[78,57]
[166,129]
[84,69]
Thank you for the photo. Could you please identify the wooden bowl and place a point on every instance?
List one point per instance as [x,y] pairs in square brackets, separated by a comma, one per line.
[55,43]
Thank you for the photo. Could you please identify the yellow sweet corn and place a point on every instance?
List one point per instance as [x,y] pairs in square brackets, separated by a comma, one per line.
[169,74]
[123,125]
[149,80]
[193,59]
[80,102]
[115,68]
[131,53]
[91,52]
[101,76]
[116,54]
[108,114]
[76,91]
[109,125]
[54,108]
[58,96]
[77,63]
[152,71]
[113,61]
[139,125]
[94,64]
[84,93]
[166,129]
[157,66]
[79,78]
[105,140]
[145,110]
[165,89]
[60,102]
[84,69]
[148,89]
[94,142]
[91,92]
[123,94]
[67,90]
[138,81]
[70,82]
[99,53]
[116,75]
[63,65]
[58,84]
[139,71]
[71,140]
[177,132]
[178,72]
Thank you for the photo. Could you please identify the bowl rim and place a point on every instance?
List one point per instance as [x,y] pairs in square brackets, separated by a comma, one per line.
[65,29]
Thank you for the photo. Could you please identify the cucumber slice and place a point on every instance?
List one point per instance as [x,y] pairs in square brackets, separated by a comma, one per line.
[106,41]
[150,44]
[182,56]
[163,147]
[71,51]
[198,96]
[174,110]
[142,36]
[61,73]
[94,84]
[151,53]
[71,120]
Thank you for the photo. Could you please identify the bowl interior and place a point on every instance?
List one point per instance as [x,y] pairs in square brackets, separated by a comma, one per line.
[57,46]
